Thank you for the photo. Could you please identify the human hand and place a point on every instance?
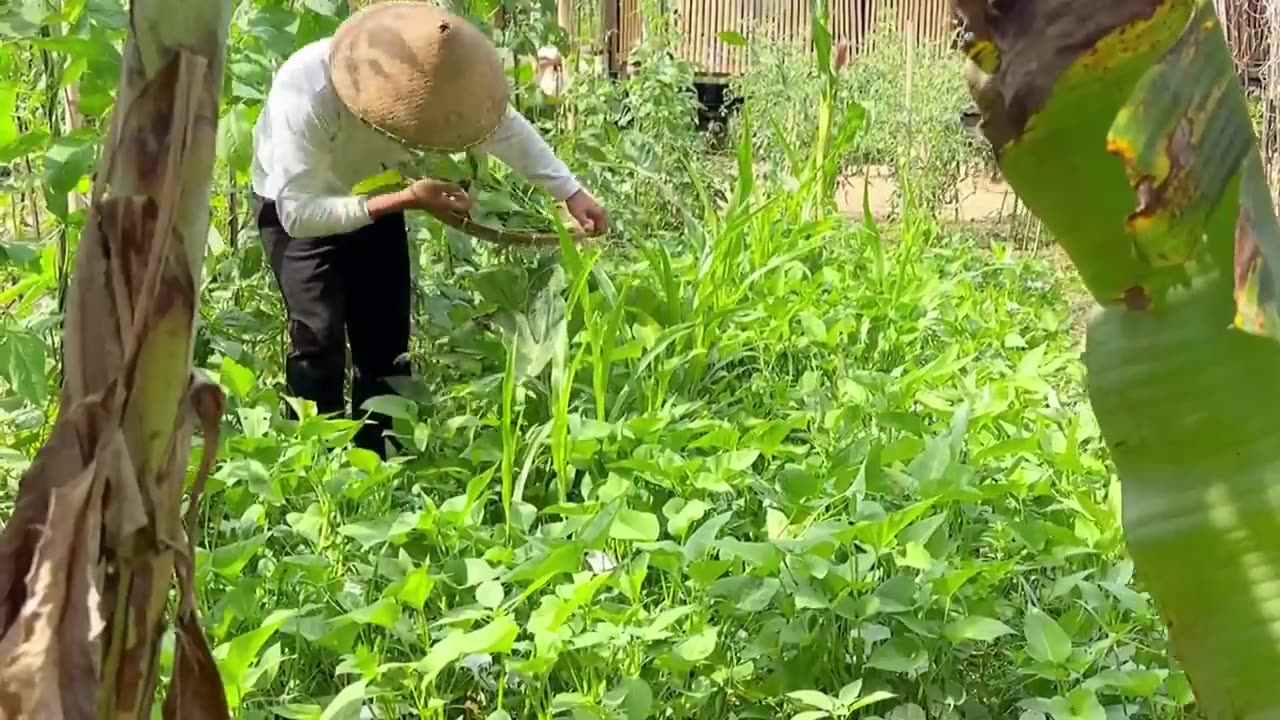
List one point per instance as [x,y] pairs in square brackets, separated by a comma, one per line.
[439,195]
[587,212]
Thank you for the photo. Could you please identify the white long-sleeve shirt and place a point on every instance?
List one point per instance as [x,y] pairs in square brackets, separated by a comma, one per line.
[310,151]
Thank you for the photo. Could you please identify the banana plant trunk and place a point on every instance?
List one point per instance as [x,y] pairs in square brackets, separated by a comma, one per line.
[1122,126]
[90,556]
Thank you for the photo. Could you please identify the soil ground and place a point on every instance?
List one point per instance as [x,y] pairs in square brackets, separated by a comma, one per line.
[981,199]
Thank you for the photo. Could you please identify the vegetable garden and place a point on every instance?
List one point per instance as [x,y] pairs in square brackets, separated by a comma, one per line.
[755,454]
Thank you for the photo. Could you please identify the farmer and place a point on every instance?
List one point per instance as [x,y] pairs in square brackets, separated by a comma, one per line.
[342,110]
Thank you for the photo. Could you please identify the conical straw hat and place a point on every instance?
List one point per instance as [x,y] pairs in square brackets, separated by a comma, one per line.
[421,74]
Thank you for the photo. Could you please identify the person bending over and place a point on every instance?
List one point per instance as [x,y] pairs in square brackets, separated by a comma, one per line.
[394,77]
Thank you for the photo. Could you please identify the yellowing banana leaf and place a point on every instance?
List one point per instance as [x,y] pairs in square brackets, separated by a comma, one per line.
[1122,126]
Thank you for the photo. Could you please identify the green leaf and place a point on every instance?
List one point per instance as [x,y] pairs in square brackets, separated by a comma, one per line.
[327,8]
[976,628]
[813,327]
[415,588]
[475,571]
[903,654]
[1134,683]
[236,378]
[266,668]
[382,181]
[681,514]
[369,532]
[542,330]
[537,571]
[738,460]
[634,526]
[309,524]
[67,160]
[347,703]
[813,698]
[490,203]
[296,711]
[490,594]
[699,647]
[633,696]
[873,698]
[759,556]
[14,25]
[695,548]
[504,286]
[383,613]
[1046,640]
[237,656]
[750,594]
[400,408]
[20,253]
[214,242]
[916,556]
[732,37]
[909,711]
[235,138]
[1085,706]
[230,560]
[28,143]
[22,365]
[496,637]
[882,533]
[849,693]
[818,16]
[8,106]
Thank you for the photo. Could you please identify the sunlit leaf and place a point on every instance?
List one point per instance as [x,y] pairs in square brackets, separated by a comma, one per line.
[635,526]
[700,646]
[1046,640]
[8,106]
[496,637]
[347,703]
[977,628]
[813,698]
[732,37]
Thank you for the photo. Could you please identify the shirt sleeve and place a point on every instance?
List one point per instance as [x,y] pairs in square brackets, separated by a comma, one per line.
[519,145]
[311,202]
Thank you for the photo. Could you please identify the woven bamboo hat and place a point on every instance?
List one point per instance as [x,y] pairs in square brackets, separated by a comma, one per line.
[419,73]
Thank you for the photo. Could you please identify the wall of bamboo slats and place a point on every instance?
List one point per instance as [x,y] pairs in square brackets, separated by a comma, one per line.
[700,22]
[630,31]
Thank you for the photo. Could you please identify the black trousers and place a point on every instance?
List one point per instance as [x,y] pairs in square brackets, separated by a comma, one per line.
[352,287]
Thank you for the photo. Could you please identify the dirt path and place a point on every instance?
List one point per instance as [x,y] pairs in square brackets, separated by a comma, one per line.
[981,199]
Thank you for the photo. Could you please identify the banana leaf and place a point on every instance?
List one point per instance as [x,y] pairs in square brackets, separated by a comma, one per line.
[1122,126]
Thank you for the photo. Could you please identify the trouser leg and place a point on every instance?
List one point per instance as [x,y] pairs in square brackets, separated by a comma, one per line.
[308,272]
[378,310]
